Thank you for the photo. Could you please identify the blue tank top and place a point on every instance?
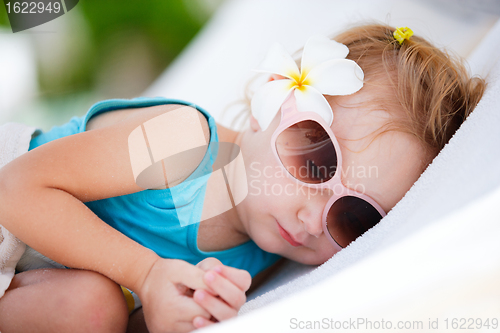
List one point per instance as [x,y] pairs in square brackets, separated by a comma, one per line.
[150,217]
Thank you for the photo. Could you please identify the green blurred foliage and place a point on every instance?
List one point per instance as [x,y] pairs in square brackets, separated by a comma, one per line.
[167,23]
[165,26]
[162,27]
[4,20]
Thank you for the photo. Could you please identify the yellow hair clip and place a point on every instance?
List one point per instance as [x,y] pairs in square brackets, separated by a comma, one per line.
[400,34]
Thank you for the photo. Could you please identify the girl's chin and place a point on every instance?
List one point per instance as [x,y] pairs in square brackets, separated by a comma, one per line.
[271,245]
[305,257]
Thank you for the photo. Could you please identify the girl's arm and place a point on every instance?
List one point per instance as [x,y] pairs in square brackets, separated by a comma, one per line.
[41,202]
[42,194]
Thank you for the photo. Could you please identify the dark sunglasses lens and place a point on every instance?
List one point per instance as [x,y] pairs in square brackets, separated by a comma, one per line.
[307,152]
[350,217]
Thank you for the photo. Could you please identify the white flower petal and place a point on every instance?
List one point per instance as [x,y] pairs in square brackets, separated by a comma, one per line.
[336,77]
[309,99]
[279,61]
[319,49]
[267,101]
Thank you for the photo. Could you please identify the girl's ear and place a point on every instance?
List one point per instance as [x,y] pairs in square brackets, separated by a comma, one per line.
[254,124]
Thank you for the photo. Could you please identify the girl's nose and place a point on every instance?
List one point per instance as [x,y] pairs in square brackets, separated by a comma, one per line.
[311,218]
[311,211]
[313,228]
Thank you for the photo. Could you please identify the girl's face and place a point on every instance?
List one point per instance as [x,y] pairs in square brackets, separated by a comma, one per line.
[284,217]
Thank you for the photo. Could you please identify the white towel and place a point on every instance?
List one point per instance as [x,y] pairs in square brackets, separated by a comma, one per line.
[14,141]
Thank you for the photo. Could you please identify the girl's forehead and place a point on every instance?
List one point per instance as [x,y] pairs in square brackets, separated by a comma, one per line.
[358,122]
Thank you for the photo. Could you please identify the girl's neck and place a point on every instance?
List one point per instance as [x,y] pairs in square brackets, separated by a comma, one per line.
[227,135]
[230,218]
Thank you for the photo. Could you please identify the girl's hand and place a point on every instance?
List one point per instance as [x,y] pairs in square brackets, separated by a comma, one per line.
[166,305]
[229,285]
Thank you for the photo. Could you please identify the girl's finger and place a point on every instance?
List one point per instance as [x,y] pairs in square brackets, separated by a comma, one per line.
[200,322]
[182,272]
[208,263]
[217,307]
[241,278]
[188,308]
[184,326]
[229,292]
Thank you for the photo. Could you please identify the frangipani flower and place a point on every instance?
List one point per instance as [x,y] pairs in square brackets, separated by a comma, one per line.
[324,71]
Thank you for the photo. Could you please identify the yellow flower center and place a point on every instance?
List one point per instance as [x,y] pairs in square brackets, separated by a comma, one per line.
[298,82]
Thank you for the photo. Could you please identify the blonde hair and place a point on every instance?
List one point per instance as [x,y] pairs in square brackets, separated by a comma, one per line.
[432,88]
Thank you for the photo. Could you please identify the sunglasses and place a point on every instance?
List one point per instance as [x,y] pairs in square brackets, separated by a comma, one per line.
[307,149]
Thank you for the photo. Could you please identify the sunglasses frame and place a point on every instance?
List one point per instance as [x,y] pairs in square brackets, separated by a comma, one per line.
[290,116]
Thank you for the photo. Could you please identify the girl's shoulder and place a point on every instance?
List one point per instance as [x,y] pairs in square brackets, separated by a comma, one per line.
[110,118]
[113,117]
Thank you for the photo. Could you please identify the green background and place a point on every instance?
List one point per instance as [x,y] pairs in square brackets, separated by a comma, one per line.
[113,49]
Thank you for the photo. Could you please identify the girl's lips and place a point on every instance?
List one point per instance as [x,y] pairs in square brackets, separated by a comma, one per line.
[287,236]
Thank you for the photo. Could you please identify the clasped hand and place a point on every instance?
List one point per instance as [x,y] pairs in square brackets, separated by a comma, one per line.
[179,297]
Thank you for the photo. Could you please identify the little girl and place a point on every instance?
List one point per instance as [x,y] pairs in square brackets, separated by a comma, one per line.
[351,138]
